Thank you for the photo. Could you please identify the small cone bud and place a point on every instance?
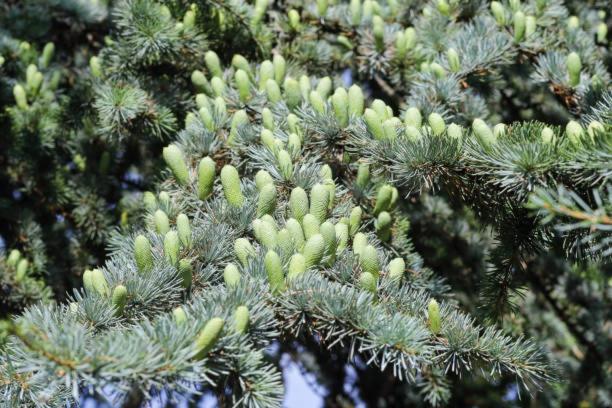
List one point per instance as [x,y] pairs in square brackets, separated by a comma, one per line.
[265,233]
[455,131]
[340,105]
[453,60]
[208,336]
[519,26]
[356,101]
[436,122]
[179,315]
[266,71]
[310,225]
[185,272]
[547,135]
[244,250]
[574,66]
[266,202]
[171,247]
[243,84]
[231,275]
[397,267]
[342,237]
[95,67]
[213,64]
[383,199]
[285,164]
[368,258]
[119,299]
[360,241]
[314,249]
[98,282]
[13,258]
[293,94]
[162,224]
[298,203]
[22,269]
[317,102]
[175,160]
[378,30]
[274,269]
[280,67]
[355,220]
[374,124]
[184,230]
[483,132]
[498,12]
[367,281]
[230,180]
[199,81]
[433,313]
[296,233]
[143,254]
[20,97]
[88,280]
[241,319]
[273,91]
[297,266]
[206,177]
[239,62]
[218,86]
[383,226]
[319,201]
[574,131]
[413,117]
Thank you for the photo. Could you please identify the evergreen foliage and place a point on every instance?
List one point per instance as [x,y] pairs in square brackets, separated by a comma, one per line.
[417,190]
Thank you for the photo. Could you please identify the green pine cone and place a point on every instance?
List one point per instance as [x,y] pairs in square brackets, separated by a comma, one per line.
[266,202]
[171,247]
[455,131]
[340,104]
[20,97]
[360,241]
[519,26]
[143,254]
[413,117]
[185,272]
[240,118]
[383,226]
[574,66]
[213,64]
[296,232]
[397,266]
[119,299]
[328,231]
[22,269]
[453,60]
[317,101]
[355,220]
[98,283]
[13,258]
[383,199]
[231,275]
[368,258]
[363,175]
[199,81]
[88,280]
[436,122]
[367,281]
[179,315]
[324,87]
[280,66]
[356,101]
[184,230]
[574,132]
[374,124]
[273,91]
[243,84]
[314,249]
[241,319]
[266,71]
[293,94]
[244,250]
[310,225]
[149,201]
[162,223]
[319,202]
[285,164]
[265,233]
[262,178]
[433,313]
[230,180]
[342,236]
[208,336]
[175,160]
[483,132]
[298,203]
[274,269]
[206,177]
[297,266]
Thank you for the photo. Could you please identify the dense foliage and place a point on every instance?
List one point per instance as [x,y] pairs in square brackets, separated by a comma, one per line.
[410,197]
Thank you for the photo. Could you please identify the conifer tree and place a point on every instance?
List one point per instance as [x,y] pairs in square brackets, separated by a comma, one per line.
[418,190]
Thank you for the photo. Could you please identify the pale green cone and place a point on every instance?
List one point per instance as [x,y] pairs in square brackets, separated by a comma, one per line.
[319,202]
[297,266]
[208,336]
[171,247]
[142,253]
[310,225]
[433,314]
[184,230]
[314,249]
[119,299]
[274,269]
[231,275]
[206,177]
[230,180]
[176,162]
[266,203]
[162,223]
[298,203]
[241,319]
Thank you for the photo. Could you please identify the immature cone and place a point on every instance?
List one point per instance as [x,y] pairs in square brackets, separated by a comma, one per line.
[324,87]
[262,178]
[244,250]
[433,312]
[285,164]
[367,281]
[98,282]
[383,226]
[284,241]
[174,159]
[355,220]
[218,86]
[498,12]
[293,94]
[88,280]
[20,97]
[298,203]
[273,91]
[179,315]
[374,124]
[413,117]
[322,7]
[208,336]
[294,143]
[22,269]
[297,266]
[436,122]
[13,258]
[314,250]
[378,30]
[519,26]
[164,200]
[266,202]
[185,272]
[573,130]
[455,131]
[274,269]
[310,225]
[239,62]
[119,299]
[184,230]
[296,233]
[397,266]
[241,319]
[207,118]
[280,66]
[162,224]
[547,135]
[266,71]
[231,275]
[198,79]
[363,175]
[142,253]
[368,258]
[230,180]
[574,66]
[171,247]
[483,132]
[319,202]
[294,19]
[602,33]
[342,236]
[47,54]
[213,64]
[265,233]
[383,199]
[340,105]
[206,177]
[243,84]
[328,231]
[356,101]
[317,101]
[95,67]
[240,118]
[453,60]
